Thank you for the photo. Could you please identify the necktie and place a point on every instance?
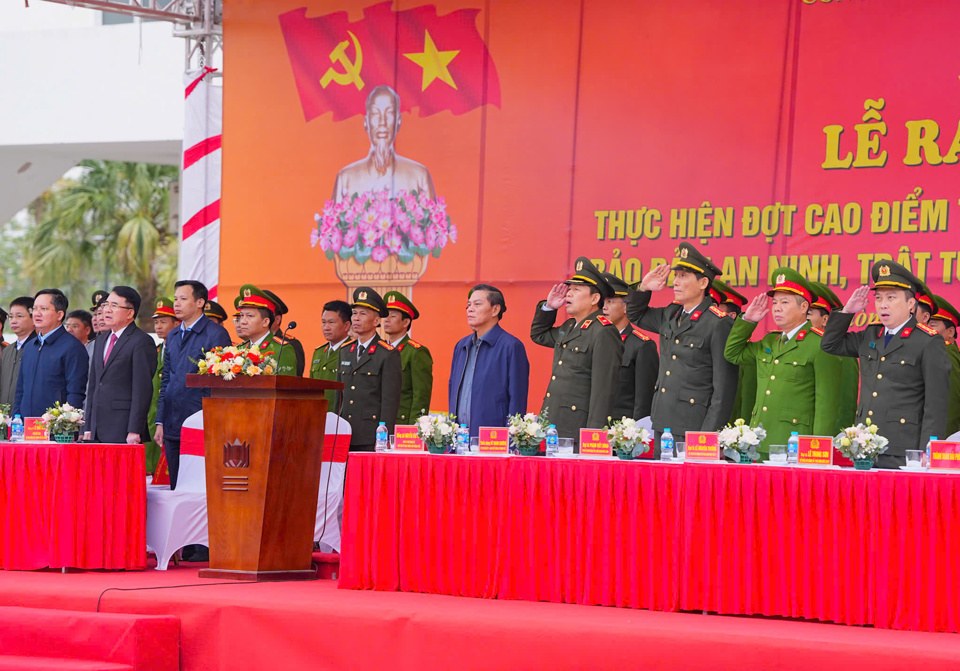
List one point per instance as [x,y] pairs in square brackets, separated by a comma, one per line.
[360,351]
[183,334]
[113,340]
[886,338]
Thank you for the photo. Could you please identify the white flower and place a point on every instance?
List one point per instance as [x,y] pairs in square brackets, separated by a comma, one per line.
[445,429]
[530,417]
[750,437]
[532,430]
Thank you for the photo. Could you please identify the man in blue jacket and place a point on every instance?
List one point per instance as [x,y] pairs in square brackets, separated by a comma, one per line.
[54,364]
[195,335]
[490,373]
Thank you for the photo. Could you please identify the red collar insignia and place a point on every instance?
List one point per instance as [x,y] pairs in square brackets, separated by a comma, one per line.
[372,349]
[801,335]
[695,316]
[623,336]
[400,347]
[353,348]
[906,332]
[603,320]
[586,324]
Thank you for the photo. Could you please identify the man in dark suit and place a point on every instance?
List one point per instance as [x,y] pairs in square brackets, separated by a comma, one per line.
[21,323]
[490,373]
[120,387]
[185,346]
[54,365]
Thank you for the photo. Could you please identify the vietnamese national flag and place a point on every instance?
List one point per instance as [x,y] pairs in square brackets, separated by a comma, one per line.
[434,63]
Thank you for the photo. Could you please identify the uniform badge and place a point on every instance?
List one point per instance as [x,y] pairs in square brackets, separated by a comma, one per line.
[819,332]
[926,329]
[873,345]
[586,324]
[373,348]
[884,271]
[354,348]
[413,343]
[603,320]
[767,350]
[640,334]
[362,295]
[159,304]
[781,279]
[684,253]
[801,335]
[246,293]
[623,336]
[696,315]
[717,311]
[579,266]
[907,331]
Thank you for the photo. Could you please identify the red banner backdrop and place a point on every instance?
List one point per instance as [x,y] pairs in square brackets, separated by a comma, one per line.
[816,134]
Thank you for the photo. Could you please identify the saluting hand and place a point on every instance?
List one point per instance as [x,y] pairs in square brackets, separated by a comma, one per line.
[556,299]
[656,279]
[858,300]
[758,308]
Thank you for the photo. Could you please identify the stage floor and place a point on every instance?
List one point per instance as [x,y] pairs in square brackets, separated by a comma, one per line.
[314,625]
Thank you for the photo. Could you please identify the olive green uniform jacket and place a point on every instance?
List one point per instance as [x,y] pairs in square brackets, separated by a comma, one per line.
[904,384]
[297,346]
[797,382]
[953,408]
[286,358]
[371,390]
[638,375]
[696,386]
[151,449]
[586,370]
[324,366]
[417,368]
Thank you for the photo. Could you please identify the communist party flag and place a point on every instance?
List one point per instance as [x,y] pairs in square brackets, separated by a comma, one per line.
[434,63]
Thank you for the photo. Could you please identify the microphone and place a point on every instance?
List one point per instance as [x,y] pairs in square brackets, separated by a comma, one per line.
[283,340]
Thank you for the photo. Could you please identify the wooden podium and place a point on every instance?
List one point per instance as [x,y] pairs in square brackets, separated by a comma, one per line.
[264,444]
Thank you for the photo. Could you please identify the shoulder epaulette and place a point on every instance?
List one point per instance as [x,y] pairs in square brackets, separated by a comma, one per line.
[279,341]
[926,329]
[717,311]
[387,346]
[325,345]
[603,320]
[413,343]
[819,332]
[640,334]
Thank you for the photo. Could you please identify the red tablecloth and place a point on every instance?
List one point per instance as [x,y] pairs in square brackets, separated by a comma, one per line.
[72,505]
[879,547]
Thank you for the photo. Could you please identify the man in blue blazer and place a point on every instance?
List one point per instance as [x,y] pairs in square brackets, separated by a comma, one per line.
[490,373]
[54,364]
[195,335]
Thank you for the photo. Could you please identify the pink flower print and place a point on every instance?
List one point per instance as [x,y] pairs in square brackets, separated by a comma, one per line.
[379,254]
[350,237]
[370,238]
[314,237]
[416,235]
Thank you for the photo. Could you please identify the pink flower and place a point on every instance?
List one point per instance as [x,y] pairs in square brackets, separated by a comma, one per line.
[370,238]
[314,237]
[432,237]
[437,216]
[403,222]
[416,235]
[380,253]
[393,242]
[350,237]
[336,240]
[452,232]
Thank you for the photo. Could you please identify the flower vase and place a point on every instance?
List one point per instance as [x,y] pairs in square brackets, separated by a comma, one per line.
[62,437]
[433,448]
[626,455]
[745,458]
[863,464]
[531,451]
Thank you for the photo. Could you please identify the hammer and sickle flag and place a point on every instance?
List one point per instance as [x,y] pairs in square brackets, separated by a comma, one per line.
[434,63]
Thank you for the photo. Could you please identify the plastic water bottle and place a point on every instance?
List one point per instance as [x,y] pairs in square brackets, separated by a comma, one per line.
[793,447]
[926,454]
[463,439]
[553,441]
[16,430]
[383,438]
[666,445]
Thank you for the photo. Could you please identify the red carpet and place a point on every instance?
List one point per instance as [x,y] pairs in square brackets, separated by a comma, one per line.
[314,625]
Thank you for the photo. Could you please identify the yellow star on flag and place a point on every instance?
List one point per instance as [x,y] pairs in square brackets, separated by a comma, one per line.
[434,63]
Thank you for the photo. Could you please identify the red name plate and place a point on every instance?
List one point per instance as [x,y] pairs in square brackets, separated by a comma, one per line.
[703,446]
[405,439]
[493,440]
[815,451]
[944,454]
[594,443]
[34,430]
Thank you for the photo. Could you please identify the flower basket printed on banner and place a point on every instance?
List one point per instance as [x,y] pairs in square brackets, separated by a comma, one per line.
[628,439]
[739,441]
[229,362]
[438,431]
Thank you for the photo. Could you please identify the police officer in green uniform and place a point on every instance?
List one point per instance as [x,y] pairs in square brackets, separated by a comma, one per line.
[904,368]
[824,301]
[370,373]
[587,351]
[96,309]
[256,318]
[164,321]
[796,380]
[415,359]
[640,361]
[926,306]
[277,328]
[732,302]
[236,319]
[325,363]
[215,311]
[946,321]
[697,386]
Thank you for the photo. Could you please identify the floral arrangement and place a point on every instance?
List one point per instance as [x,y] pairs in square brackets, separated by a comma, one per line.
[62,419]
[740,438]
[5,417]
[229,362]
[374,225]
[625,435]
[438,429]
[861,442]
[528,430]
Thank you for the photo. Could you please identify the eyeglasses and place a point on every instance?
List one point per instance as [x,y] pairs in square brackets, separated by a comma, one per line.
[117,306]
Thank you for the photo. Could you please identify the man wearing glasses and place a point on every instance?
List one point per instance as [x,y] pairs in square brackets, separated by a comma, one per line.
[121,375]
[54,364]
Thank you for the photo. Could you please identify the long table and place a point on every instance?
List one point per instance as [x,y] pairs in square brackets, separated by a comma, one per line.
[875,548]
[72,506]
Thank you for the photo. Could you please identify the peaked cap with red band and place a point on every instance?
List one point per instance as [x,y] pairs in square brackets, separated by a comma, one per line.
[789,280]
[252,297]
[397,301]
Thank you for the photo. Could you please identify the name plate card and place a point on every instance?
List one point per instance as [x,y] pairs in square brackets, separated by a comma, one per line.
[815,451]
[405,439]
[703,446]
[34,431]
[945,454]
[493,440]
[594,443]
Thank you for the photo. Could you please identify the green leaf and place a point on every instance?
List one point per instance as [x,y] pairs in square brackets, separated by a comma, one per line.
[436,253]
[346,252]
[363,254]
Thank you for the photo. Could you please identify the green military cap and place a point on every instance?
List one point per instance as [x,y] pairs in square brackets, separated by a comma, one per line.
[98,298]
[824,298]
[688,258]
[586,273]
[618,286]
[252,297]
[890,275]
[282,308]
[3,315]
[213,310]
[925,296]
[365,297]
[946,312]
[164,308]
[236,306]
[397,301]
[789,280]
[721,292]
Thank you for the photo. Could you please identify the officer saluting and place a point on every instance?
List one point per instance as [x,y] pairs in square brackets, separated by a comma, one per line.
[697,385]
[370,373]
[904,369]
[586,352]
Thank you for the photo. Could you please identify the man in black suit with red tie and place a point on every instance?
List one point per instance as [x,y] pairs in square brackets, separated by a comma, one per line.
[120,385]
